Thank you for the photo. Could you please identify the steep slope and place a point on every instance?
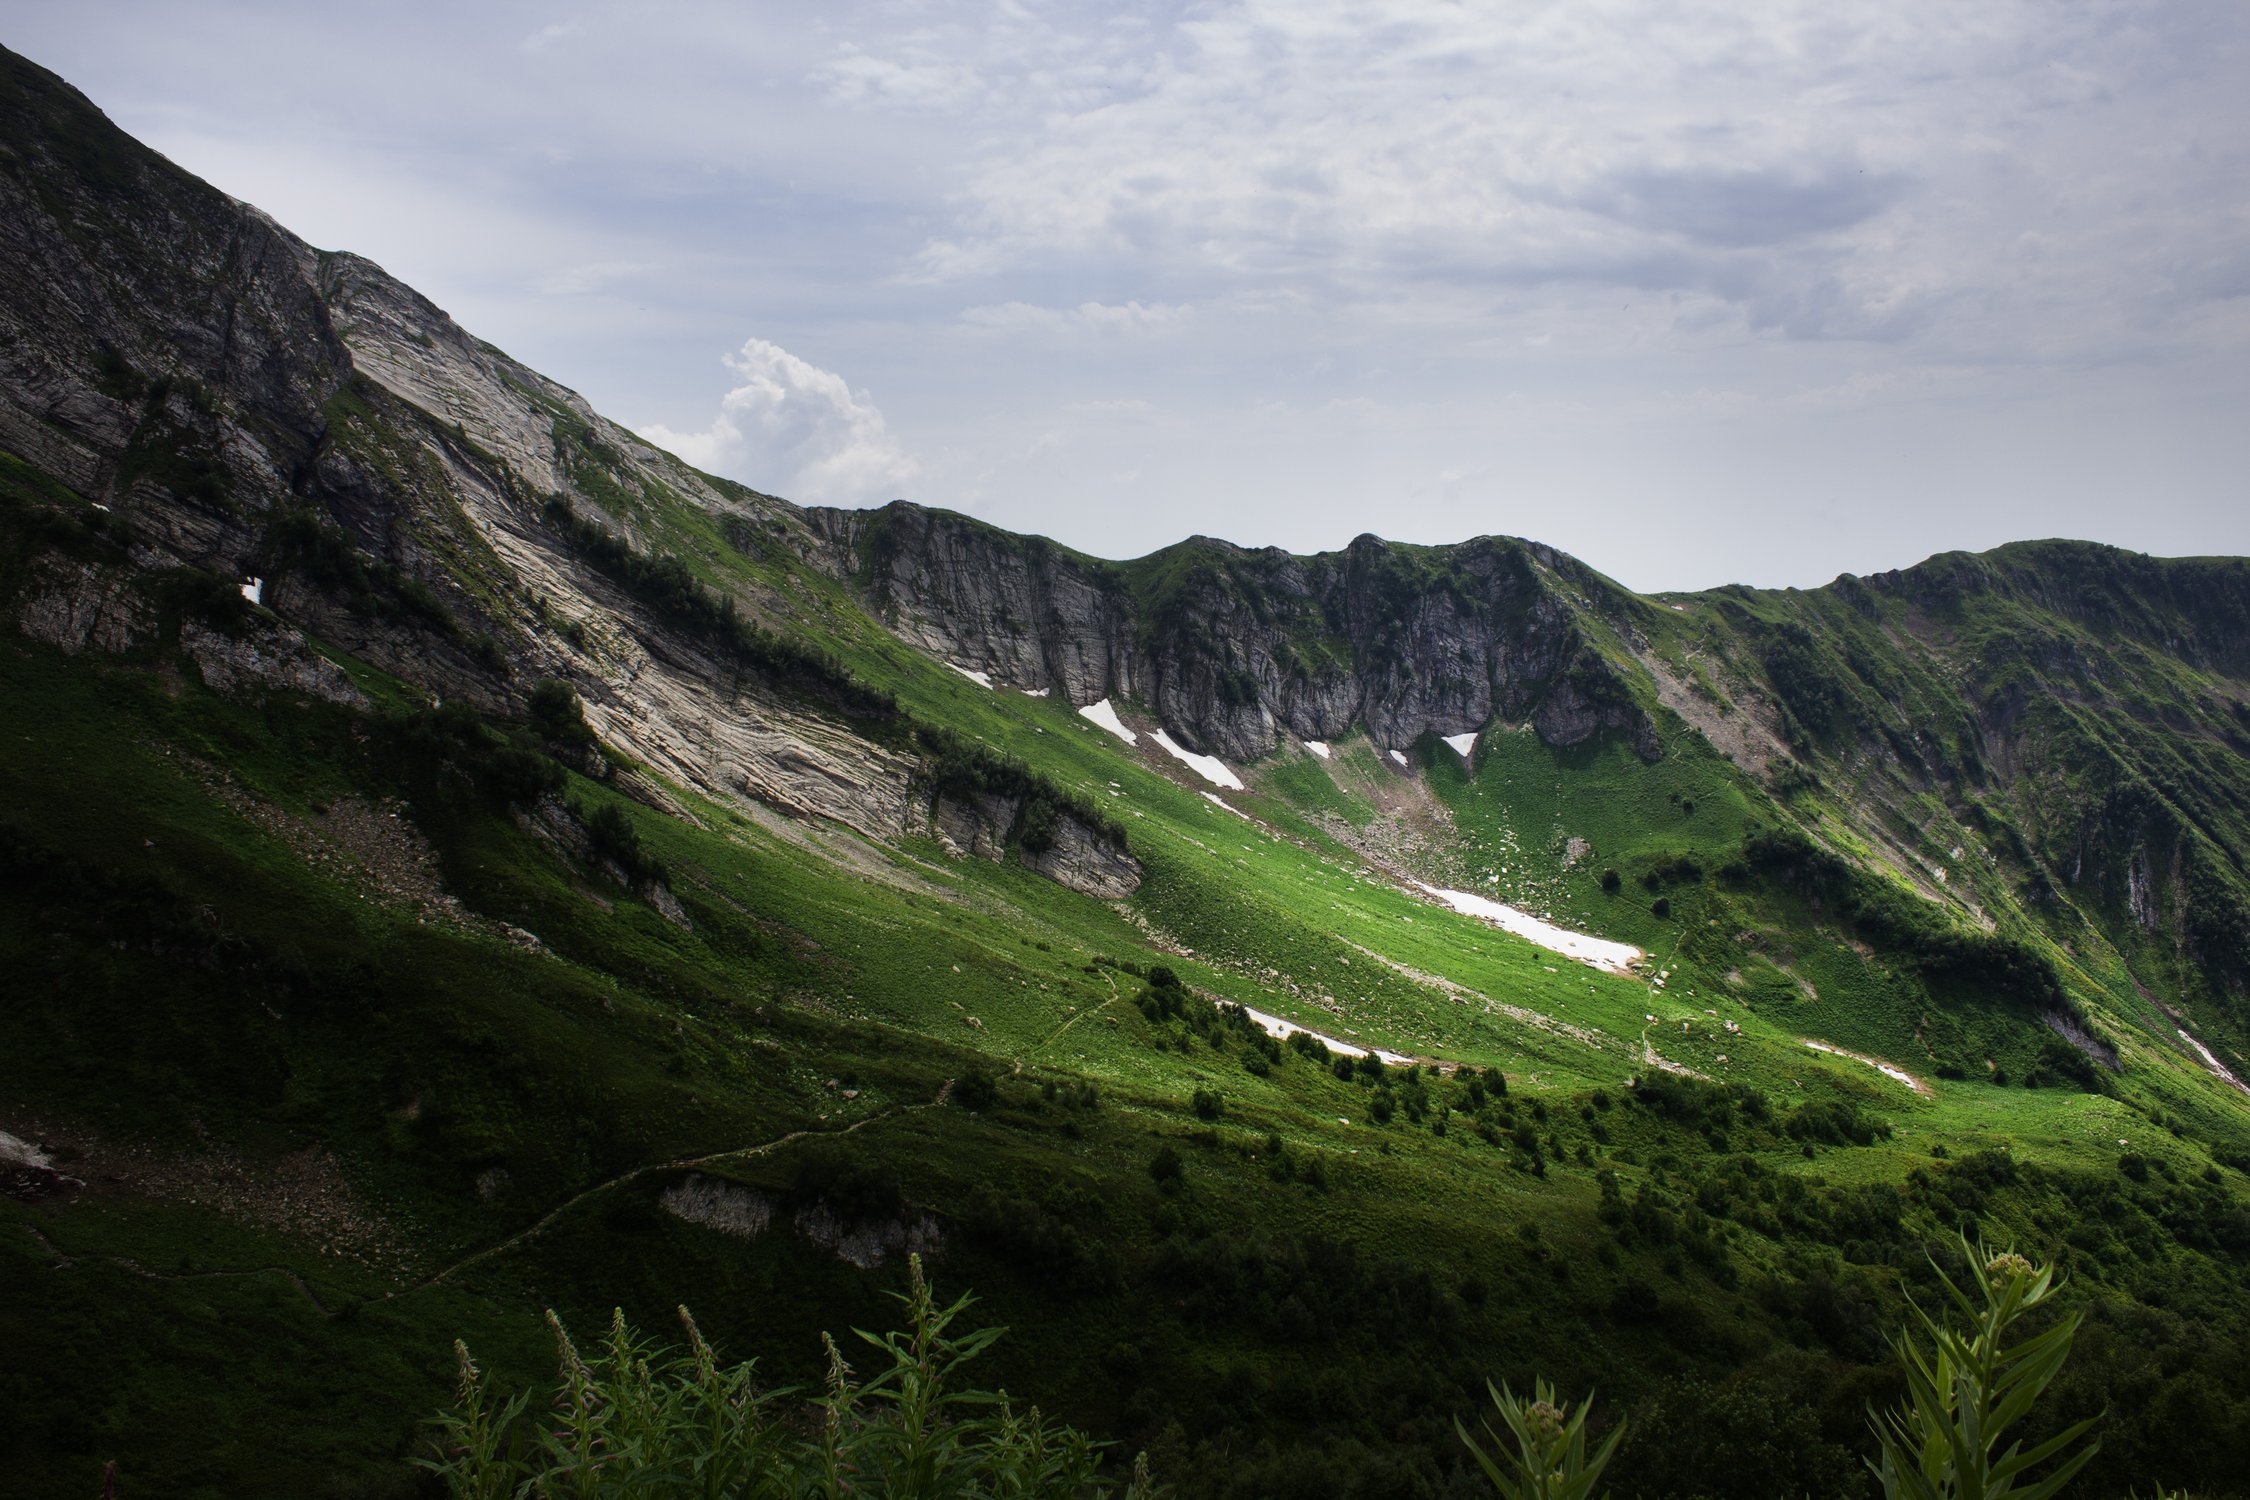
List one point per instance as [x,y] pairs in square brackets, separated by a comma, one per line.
[575,880]
[1233,647]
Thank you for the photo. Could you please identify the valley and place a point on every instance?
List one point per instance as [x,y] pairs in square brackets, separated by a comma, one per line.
[1288,991]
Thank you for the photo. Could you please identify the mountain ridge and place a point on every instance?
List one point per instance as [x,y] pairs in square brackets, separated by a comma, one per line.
[452,818]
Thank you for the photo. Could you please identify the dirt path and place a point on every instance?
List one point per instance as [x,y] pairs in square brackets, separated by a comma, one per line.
[676,1164]
[64,1262]
[1055,1036]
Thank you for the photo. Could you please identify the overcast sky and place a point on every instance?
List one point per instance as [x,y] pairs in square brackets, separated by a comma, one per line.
[1702,293]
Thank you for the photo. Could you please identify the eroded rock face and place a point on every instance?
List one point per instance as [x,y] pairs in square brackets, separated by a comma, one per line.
[278,658]
[81,607]
[177,357]
[1084,861]
[1078,857]
[1231,647]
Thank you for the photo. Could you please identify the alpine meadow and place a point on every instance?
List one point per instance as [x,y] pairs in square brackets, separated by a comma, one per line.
[515,948]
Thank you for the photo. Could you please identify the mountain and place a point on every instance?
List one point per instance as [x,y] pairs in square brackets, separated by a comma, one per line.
[465,860]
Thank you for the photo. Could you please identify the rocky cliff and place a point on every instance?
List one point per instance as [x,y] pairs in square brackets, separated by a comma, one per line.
[1232,648]
[236,405]
[226,403]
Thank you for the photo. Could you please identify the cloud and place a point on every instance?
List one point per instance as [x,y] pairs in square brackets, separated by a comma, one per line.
[546,36]
[855,77]
[793,428]
[1740,209]
[1100,318]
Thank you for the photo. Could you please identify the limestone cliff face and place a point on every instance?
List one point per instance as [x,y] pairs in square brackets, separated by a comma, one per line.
[1231,647]
[228,400]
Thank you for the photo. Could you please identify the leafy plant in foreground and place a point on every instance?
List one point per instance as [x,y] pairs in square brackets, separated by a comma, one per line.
[1964,1393]
[1969,1388]
[639,1420]
[1548,1460]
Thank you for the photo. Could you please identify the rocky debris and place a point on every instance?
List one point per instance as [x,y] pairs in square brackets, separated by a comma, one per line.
[278,658]
[304,1195]
[373,847]
[2075,1031]
[868,1245]
[716,1203]
[659,896]
[977,826]
[28,1174]
[744,1212]
[81,607]
[1077,857]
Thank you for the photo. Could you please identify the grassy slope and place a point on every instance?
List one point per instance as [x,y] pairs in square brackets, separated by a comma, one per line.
[423,1057]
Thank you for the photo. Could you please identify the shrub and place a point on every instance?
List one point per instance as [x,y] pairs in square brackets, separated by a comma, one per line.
[556,714]
[614,839]
[976,1090]
[1964,1393]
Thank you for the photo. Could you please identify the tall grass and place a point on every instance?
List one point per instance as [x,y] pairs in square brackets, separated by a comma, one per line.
[637,1419]
[1965,1392]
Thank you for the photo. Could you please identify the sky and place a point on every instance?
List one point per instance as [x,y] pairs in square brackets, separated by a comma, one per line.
[1758,291]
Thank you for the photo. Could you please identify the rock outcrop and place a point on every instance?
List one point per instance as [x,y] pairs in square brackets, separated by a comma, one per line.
[1231,647]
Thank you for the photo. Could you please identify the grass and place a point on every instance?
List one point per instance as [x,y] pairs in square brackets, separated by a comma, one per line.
[510,1113]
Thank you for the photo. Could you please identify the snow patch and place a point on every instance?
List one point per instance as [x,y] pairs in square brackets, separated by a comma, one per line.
[1399,756]
[1101,713]
[1033,692]
[981,679]
[1318,747]
[255,591]
[1219,801]
[1884,1068]
[1209,767]
[1281,1031]
[2209,1061]
[1462,743]
[1598,952]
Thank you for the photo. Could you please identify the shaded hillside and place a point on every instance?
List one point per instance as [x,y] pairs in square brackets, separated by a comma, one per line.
[465,861]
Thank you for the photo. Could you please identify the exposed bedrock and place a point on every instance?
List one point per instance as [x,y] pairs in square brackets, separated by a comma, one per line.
[1232,647]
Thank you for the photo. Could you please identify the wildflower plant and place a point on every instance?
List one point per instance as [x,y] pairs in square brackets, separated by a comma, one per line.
[637,1419]
[1542,1453]
[1971,1386]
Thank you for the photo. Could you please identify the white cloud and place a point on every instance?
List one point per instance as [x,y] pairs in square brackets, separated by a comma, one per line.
[795,429]
[855,77]
[547,36]
[1124,318]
